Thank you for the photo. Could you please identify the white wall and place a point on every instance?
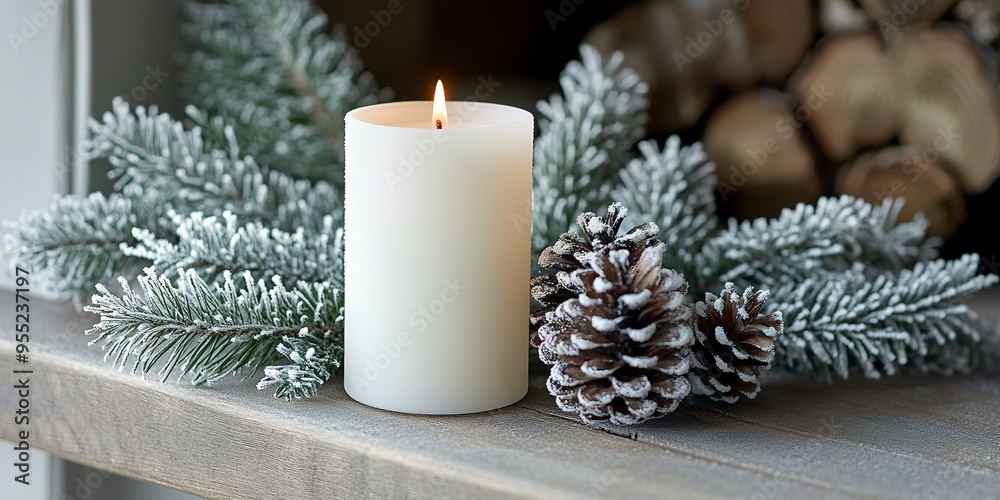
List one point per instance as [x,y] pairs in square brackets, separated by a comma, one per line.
[34,114]
[35,107]
[53,74]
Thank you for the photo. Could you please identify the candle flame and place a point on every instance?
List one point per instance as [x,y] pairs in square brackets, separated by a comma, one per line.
[440,117]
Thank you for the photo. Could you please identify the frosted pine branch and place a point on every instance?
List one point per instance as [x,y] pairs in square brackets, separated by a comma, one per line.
[270,68]
[313,360]
[586,134]
[208,331]
[675,189]
[827,237]
[154,151]
[213,245]
[77,243]
[839,323]
[195,197]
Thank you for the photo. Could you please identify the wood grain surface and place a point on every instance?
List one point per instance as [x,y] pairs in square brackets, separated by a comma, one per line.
[903,437]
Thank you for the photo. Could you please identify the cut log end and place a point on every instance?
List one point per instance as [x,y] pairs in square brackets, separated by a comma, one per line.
[852,91]
[690,50]
[900,171]
[903,12]
[779,32]
[950,103]
[763,162]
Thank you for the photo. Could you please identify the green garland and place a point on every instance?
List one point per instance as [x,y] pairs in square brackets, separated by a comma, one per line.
[200,200]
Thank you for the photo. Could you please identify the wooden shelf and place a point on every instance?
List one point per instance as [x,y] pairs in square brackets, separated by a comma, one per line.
[912,436]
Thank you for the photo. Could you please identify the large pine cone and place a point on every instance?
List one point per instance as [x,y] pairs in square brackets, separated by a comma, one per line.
[619,351]
[734,344]
[572,252]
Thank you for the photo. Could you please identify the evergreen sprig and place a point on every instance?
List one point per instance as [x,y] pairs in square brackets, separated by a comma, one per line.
[313,361]
[157,153]
[275,86]
[675,188]
[78,242]
[829,236]
[272,71]
[211,330]
[838,323]
[214,245]
[586,134]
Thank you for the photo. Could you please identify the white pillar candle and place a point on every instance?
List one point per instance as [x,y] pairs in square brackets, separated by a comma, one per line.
[437,228]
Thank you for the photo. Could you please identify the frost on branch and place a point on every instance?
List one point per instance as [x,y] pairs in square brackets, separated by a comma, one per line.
[812,239]
[208,331]
[214,245]
[154,151]
[271,70]
[839,323]
[675,189]
[586,134]
[313,360]
[77,243]
[251,182]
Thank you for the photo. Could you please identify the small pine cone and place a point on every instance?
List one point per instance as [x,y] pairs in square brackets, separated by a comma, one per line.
[572,252]
[733,344]
[619,351]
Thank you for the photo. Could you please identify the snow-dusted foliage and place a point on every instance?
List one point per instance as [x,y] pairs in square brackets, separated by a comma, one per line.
[272,71]
[675,189]
[213,245]
[78,242]
[836,323]
[840,270]
[208,331]
[313,358]
[205,173]
[586,135]
[250,183]
[812,239]
[858,290]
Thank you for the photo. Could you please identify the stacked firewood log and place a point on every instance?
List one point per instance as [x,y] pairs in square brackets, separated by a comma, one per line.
[795,99]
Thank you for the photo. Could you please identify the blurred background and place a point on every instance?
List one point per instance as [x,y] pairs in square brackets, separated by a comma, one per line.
[872,98]
[793,99]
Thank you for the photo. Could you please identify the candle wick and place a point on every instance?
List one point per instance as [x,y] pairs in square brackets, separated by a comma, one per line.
[438,122]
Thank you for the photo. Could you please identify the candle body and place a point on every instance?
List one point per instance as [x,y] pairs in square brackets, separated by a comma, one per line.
[437,230]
